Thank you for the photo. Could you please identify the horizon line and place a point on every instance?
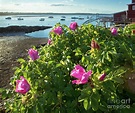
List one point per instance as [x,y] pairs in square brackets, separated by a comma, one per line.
[52,13]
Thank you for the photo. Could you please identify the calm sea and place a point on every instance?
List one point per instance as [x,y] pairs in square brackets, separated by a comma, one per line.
[44,20]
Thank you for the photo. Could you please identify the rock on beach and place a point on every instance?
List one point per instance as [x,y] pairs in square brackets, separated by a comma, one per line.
[25,29]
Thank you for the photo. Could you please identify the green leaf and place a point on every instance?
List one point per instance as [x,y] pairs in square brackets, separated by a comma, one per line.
[21,60]
[85,104]
[40,108]
[119,72]
[103,59]
[77,51]
[108,57]
[32,110]
[58,65]
[68,57]
[4,94]
[2,89]
[83,59]
[94,101]
[118,80]
[50,62]
[109,85]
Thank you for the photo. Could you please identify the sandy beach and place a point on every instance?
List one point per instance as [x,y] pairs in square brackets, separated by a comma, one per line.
[14,44]
[12,48]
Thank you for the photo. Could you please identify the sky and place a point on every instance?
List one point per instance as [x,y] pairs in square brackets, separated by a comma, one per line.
[64,6]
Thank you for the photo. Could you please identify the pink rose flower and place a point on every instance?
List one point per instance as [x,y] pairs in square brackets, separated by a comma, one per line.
[49,42]
[102,77]
[22,86]
[33,54]
[81,75]
[114,31]
[73,26]
[57,30]
[94,45]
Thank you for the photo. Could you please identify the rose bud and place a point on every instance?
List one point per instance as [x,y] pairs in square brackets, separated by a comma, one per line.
[49,42]
[102,77]
[94,45]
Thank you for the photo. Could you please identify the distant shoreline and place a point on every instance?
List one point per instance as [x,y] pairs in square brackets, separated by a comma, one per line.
[22,13]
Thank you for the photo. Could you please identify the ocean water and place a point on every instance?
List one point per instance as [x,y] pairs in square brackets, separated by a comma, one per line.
[34,20]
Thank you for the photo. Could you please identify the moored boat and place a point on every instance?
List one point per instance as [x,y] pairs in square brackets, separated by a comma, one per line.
[8,18]
[62,19]
[41,19]
[20,18]
[63,16]
[81,18]
[50,16]
[74,17]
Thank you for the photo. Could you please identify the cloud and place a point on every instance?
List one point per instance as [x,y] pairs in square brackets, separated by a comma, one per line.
[53,7]
[69,0]
[60,5]
[17,4]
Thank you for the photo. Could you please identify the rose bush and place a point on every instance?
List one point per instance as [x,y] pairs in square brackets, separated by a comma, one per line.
[92,55]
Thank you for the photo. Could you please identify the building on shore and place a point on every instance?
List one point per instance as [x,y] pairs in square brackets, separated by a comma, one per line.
[127,16]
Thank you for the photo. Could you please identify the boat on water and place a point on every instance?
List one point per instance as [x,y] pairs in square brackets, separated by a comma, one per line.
[88,17]
[81,18]
[74,17]
[20,18]
[62,19]
[50,16]
[63,16]
[8,18]
[41,19]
